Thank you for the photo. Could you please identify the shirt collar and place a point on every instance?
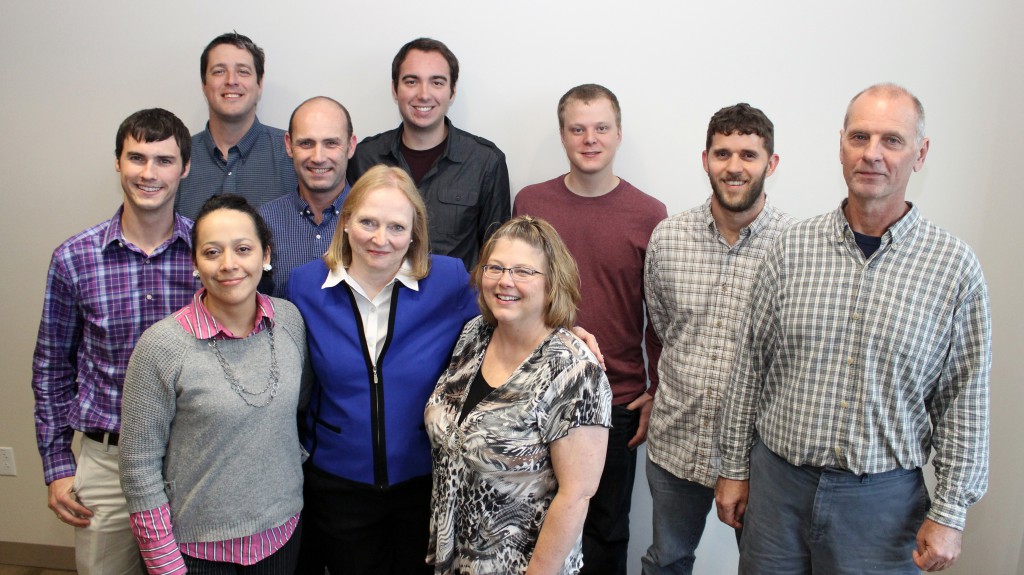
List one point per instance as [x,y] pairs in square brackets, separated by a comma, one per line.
[452,150]
[199,322]
[336,276]
[244,145]
[896,232]
[752,229]
[182,230]
[301,206]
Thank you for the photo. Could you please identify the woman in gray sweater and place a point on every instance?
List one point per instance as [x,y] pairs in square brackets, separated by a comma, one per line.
[210,454]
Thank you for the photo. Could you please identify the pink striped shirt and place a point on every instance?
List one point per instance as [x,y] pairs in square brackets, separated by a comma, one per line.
[160,551]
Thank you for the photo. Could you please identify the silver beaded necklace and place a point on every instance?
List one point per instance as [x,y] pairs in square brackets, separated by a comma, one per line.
[272,385]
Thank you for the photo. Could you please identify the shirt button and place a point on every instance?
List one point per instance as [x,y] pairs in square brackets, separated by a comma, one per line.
[714,357]
[149,296]
[230,173]
[856,316]
[839,452]
[842,404]
[849,360]
[718,323]
[318,236]
[146,262]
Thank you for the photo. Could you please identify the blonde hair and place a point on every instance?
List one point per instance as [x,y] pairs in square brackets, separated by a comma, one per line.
[339,253]
[563,277]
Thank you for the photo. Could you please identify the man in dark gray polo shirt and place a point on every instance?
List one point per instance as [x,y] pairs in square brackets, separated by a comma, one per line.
[235,154]
[463,178]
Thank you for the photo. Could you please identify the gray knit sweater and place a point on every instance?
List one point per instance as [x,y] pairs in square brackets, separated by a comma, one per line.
[227,469]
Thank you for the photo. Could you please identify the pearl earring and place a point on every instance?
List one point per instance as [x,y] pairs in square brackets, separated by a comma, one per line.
[195,273]
[267,267]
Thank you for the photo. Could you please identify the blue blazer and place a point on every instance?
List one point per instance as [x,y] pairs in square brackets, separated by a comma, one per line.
[366,425]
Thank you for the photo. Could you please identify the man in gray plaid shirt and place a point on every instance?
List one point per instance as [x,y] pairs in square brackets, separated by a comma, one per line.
[700,266]
[867,345]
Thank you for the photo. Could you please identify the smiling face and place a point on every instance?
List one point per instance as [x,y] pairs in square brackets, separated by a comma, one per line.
[230,85]
[320,146]
[379,233]
[424,91]
[150,174]
[590,135]
[879,149]
[230,259]
[518,304]
[737,166]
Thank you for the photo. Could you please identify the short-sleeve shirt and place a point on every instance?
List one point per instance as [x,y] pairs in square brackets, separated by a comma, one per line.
[493,478]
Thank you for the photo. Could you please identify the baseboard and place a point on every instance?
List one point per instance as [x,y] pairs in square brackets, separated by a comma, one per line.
[32,555]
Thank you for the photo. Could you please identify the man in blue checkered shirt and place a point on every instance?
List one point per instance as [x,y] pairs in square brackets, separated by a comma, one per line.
[320,142]
[866,346]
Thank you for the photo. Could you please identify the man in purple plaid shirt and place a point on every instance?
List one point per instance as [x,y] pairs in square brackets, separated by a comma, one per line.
[105,286]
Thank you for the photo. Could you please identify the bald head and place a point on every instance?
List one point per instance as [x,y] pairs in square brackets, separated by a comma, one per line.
[320,142]
[893,92]
[319,102]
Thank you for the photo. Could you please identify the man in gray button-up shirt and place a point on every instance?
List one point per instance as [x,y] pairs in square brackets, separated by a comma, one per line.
[700,266]
[867,345]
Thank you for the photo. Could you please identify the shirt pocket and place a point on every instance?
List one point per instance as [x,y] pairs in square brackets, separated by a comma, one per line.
[455,212]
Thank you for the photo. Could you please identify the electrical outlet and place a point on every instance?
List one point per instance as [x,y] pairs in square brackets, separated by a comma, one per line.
[7,461]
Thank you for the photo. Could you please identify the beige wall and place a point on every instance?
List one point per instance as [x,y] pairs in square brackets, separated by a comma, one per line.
[71,71]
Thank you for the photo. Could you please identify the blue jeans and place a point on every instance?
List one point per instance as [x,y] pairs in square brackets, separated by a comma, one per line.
[606,530]
[680,511]
[828,520]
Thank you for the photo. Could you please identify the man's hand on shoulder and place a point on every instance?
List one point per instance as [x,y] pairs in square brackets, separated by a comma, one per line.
[731,500]
[64,503]
[938,546]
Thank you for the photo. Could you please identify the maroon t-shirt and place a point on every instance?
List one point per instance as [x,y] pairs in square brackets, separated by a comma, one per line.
[608,237]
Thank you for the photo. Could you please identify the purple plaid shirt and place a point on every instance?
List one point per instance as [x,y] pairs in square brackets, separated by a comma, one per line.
[101,293]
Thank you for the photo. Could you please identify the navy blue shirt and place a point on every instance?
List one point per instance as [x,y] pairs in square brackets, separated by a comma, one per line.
[258,167]
[297,238]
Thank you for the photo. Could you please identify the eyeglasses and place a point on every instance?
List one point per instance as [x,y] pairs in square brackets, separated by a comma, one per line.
[519,274]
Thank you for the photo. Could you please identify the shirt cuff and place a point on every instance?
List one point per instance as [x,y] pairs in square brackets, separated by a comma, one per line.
[58,466]
[947,514]
[736,470]
[154,533]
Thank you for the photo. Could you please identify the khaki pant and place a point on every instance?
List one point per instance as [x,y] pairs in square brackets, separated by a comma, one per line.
[106,546]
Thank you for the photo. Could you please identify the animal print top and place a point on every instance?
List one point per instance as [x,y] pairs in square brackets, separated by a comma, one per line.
[493,480]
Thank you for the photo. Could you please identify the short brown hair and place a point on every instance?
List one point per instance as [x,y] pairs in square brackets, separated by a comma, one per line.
[238,41]
[742,119]
[339,253]
[587,93]
[426,45]
[563,277]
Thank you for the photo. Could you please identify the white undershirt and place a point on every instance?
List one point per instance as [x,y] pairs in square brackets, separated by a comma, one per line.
[375,312]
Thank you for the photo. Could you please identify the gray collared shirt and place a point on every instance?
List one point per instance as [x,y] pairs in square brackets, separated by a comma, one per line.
[866,364]
[697,288]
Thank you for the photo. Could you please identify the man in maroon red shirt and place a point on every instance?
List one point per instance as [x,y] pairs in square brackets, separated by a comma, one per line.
[606,223]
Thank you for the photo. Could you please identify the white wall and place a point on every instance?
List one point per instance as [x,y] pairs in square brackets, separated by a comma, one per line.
[71,71]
